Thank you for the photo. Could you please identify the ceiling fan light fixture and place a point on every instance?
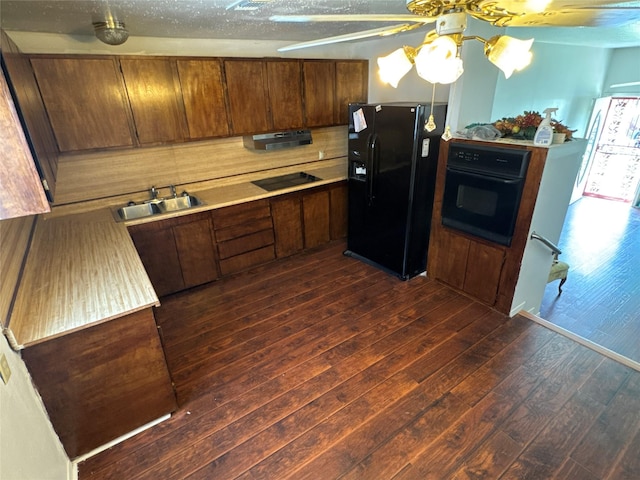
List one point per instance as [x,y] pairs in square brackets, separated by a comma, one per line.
[111,32]
[438,61]
[508,54]
[396,65]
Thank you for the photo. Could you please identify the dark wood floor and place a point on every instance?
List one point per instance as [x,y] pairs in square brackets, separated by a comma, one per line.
[322,367]
[601,299]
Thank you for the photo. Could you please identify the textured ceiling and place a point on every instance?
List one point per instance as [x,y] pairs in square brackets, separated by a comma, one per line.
[213,19]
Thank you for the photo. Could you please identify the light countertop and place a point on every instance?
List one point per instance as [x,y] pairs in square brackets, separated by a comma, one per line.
[83,269]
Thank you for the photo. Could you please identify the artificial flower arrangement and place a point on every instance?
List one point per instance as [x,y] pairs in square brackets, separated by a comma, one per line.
[525,126]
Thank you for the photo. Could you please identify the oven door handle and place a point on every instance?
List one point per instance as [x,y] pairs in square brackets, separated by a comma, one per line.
[491,178]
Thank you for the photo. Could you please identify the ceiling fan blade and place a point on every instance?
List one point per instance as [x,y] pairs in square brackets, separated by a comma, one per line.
[576,17]
[381,32]
[351,18]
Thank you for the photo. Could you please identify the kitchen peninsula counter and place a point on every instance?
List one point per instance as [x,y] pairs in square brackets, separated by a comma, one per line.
[83,269]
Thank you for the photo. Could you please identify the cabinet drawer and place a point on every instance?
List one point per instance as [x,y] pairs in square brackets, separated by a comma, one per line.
[238,214]
[247,260]
[245,244]
[236,231]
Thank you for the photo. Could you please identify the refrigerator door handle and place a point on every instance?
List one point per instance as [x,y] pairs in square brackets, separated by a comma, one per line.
[373,158]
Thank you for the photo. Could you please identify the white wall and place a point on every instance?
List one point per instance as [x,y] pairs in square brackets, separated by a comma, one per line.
[29,447]
[624,67]
[563,76]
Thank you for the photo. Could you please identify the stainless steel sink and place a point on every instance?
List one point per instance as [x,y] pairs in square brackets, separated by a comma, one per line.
[131,212]
[179,203]
[156,207]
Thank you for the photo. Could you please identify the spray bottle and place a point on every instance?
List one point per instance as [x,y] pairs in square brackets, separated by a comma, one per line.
[544,133]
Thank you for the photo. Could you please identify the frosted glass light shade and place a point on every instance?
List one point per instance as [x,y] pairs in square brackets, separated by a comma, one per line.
[111,32]
[395,65]
[438,62]
[508,54]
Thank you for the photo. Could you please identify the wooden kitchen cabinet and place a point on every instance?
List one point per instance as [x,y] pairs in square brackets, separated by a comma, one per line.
[287,224]
[85,101]
[203,94]
[285,93]
[319,92]
[246,82]
[469,265]
[154,95]
[21,192]
[177,253]
[316,218]
[244,235]
[309,218]
[103,381]
[352,85]
[36,126]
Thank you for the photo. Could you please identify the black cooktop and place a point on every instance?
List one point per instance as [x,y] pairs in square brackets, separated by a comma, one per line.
[285,181]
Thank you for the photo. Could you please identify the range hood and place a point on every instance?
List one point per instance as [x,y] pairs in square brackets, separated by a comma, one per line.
[273,141]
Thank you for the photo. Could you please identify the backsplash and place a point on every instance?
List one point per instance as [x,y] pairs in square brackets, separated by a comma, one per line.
[195,165]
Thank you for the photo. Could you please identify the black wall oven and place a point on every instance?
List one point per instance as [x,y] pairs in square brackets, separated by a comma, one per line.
[483,187]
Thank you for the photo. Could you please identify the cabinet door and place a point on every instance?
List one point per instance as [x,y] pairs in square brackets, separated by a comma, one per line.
[34,115]
[287,225]
[153,93]
[315,214]
[319,92]
[202,87]
[196,252]
[85,101]
[157,249]
[453,251]
[484,265]
[285,93]
[21,192]
[352,85]
[247,94]
[339,211]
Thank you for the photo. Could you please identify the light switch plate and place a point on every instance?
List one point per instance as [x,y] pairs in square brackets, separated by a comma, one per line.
[5,371]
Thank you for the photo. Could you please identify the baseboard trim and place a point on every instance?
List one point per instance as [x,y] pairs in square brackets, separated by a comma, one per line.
[582,341]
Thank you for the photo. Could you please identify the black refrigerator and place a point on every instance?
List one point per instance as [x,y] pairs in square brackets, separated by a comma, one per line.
[392,161]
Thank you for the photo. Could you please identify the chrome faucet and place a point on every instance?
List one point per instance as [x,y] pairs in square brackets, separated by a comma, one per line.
[154,193]
[172,189]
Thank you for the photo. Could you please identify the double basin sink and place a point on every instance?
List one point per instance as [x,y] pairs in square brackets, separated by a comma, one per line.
[156,207]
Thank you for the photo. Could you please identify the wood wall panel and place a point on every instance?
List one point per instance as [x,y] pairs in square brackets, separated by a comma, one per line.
[102,382]
[90,176]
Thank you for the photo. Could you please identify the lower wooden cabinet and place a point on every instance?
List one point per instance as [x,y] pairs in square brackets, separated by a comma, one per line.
[102,382]
[244,235]
[177,253]
[190,250]
[470,266]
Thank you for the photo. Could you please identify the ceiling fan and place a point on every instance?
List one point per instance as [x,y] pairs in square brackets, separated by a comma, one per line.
[437,59]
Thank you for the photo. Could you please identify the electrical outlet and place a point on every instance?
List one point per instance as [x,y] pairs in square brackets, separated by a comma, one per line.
[5,371]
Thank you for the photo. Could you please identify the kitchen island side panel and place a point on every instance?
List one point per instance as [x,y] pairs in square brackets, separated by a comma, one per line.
[102,382]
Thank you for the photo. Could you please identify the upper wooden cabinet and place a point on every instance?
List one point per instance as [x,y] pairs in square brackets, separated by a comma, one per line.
[285,93]
[153,91]
[202,85]
[29,103]
[85,101]
[352,85]
[247,94]
[20,190]
[319,92]
[104,102]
